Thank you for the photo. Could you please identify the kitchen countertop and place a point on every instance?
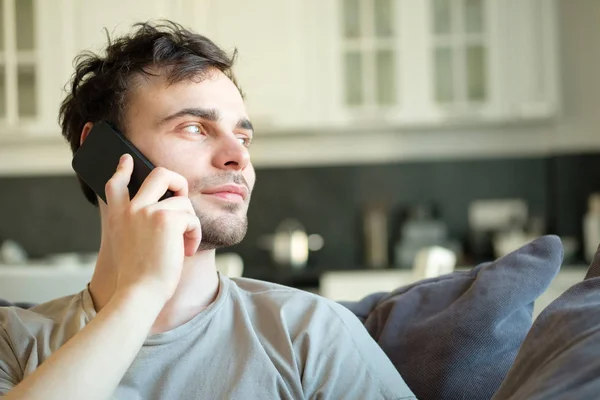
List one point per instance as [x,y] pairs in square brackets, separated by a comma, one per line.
[37,283]
[354,285]
[41,282]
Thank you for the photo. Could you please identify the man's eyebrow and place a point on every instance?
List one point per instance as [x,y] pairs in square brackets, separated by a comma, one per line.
[208,114]
[245,123]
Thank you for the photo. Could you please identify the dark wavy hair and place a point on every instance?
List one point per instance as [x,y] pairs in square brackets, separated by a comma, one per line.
[99,87]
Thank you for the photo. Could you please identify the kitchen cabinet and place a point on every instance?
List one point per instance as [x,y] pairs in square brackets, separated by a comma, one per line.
[29,56]
[274,52]
[311,64]
[384,64]
[438,62]
[38,43]
[91,17]
[315,70]
[273,57]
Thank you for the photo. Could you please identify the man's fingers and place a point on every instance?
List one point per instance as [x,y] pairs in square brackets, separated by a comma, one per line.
[117,193]
[180,209]
[157,183]
[177,203]
[192,235]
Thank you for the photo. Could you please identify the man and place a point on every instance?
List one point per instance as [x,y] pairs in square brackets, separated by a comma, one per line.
[157,321]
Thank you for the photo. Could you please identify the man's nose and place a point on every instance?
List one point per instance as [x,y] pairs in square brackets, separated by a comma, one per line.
[231,154]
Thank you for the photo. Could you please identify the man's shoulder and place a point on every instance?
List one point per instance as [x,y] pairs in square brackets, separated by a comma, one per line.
[254,288]
[289,301]
[40,318]
[30,335]
[258,287]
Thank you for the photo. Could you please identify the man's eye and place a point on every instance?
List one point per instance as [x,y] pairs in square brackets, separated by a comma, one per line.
[245,141]
[193,129]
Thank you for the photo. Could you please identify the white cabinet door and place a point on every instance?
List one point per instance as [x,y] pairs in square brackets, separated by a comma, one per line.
[528,49]
[30,54]
[39,40]
[82,25]
[38,44]
[117,16]
[272,64]
[434,62]
[53,33]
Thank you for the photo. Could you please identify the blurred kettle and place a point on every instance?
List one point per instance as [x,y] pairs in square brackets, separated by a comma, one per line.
[433,261]
[290,245]
[11,252]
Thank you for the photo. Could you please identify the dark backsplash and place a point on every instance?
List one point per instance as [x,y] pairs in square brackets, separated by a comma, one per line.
[49,214]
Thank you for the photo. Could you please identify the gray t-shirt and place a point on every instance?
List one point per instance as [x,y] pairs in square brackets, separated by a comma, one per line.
[257,340]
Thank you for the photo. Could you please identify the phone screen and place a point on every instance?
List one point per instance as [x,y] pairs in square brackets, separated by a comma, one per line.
[96,161]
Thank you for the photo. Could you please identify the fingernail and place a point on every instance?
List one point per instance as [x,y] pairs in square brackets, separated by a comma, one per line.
[122,159]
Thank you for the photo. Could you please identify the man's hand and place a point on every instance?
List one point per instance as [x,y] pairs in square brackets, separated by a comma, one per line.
[148,238]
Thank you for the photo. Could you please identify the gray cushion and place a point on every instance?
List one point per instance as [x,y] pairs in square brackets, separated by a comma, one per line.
[560,358]
[6,303]
[456,336]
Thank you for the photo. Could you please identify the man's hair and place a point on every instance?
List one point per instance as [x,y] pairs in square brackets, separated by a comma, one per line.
[100,85]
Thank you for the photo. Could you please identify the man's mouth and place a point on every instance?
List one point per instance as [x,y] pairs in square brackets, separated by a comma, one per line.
[228,192]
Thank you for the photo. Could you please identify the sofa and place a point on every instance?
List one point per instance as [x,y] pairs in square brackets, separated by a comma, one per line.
[471,334]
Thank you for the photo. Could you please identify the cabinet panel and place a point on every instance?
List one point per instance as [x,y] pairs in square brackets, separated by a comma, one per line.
[116,16]
[25,24]
[2,92]
[272,64]
[433,62]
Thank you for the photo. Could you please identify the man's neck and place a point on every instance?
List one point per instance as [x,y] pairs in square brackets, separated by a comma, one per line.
[197,289]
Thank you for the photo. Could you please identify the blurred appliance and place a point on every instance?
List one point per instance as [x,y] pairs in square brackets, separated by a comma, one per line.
[290,245]
[11,252]
[505,242]
[497,214]
[375,233]
[433,261]
[496,227]
[230,264]
[591,227]
[421,230]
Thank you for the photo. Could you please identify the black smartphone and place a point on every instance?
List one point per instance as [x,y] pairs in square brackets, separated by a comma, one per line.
[96,160]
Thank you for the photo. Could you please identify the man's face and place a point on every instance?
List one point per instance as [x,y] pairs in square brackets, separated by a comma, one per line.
[199,129]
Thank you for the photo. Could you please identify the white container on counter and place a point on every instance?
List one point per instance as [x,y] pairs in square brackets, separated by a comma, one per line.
[591,227]
[38,283]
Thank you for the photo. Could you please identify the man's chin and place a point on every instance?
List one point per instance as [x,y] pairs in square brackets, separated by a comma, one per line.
[215,245]
[222,232]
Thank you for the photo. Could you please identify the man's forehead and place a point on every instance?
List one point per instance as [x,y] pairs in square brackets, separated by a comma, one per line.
[213,91]
[161,79]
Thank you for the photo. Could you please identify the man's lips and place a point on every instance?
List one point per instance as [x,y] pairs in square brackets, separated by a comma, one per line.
[228,192]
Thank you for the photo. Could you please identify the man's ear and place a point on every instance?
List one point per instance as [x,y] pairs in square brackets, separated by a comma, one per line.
[85,131]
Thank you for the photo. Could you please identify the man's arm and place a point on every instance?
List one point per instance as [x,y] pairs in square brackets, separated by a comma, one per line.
[92,363]
[346,363]
[146,242]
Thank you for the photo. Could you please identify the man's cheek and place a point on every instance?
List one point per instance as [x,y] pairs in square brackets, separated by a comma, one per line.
[180,166]
[250,177]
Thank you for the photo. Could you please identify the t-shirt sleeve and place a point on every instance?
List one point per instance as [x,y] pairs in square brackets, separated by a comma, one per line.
[342,361]
[9,365]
